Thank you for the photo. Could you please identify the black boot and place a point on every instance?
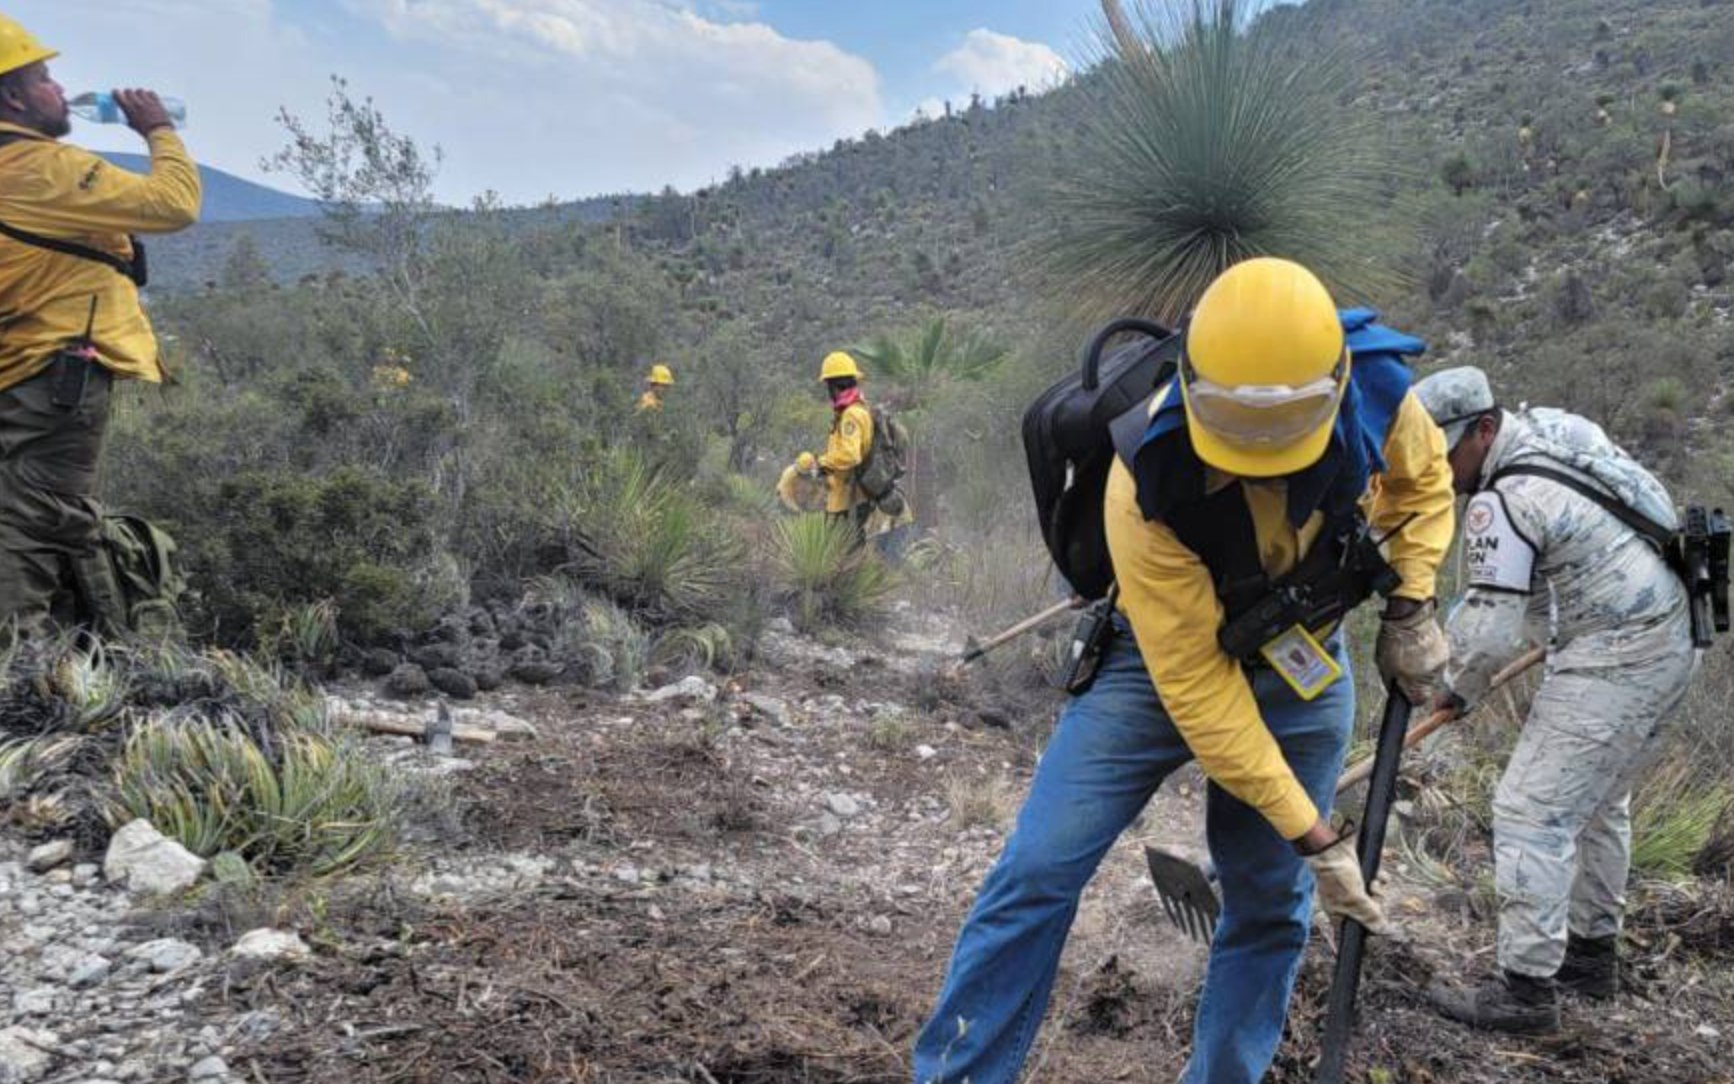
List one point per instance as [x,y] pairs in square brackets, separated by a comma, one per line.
[1512,1003]
[1591,968]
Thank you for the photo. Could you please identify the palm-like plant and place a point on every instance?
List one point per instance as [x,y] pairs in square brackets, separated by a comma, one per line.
[925,359]
[1207,138]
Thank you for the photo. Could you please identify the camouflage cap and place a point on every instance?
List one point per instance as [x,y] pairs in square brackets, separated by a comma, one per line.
[1455,398]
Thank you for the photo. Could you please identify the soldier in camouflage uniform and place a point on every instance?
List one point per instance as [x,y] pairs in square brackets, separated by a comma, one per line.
[1620,656]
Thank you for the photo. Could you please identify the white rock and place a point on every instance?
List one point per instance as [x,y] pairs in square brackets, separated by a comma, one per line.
[829,825]
[880,926]
[842,805]
[144,860]
[771,707]
[49,855]
[211,1068]
[165,955]
[85,874]
[37,1002]
[89,971]
[269,944]
[22,1057]
[925,752]
[689,688]
[1707,1032]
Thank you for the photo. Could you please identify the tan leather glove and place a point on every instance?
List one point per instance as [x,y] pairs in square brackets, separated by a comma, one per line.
[1412,649]
[1341,891]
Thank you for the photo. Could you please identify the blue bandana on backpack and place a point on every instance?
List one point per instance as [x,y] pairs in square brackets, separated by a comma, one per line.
[1169,472]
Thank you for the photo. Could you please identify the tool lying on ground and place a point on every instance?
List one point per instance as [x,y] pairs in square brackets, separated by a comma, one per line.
[1188,891]
[1352,941]
[974,651]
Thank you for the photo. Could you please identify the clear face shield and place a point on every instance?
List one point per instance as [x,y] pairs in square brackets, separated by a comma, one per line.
[1264,415]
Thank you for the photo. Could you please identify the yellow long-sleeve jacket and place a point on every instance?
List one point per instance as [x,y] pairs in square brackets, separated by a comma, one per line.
[66,193]
[1168,596]
[845,450]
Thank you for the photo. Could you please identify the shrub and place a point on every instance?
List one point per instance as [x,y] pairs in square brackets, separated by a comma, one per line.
[827,577]
[263,543]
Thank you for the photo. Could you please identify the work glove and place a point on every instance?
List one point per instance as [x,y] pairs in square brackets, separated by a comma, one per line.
[1341,891]
[1412,649]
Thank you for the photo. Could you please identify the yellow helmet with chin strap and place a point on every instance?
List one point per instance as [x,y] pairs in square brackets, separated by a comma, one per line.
[662,376]
[838,366]
[19,48]
[1264,369]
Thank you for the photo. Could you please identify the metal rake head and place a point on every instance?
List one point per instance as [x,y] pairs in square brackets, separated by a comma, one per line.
[1187,894]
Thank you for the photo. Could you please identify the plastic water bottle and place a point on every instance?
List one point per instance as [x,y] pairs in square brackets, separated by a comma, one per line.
[99,107]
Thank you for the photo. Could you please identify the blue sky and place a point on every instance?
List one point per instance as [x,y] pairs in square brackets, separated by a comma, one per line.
[563,98]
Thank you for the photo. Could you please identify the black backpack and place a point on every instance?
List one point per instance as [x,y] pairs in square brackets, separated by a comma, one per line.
[1069,441]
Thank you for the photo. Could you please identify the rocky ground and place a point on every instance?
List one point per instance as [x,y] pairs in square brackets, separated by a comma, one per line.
[755,880]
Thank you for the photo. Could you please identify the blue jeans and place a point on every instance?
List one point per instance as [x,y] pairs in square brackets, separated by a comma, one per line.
[1113,747]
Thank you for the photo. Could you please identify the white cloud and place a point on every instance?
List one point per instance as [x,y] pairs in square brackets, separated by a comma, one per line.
[991,63]
[647,92]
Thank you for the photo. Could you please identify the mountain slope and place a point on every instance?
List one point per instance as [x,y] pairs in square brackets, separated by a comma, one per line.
[229,198]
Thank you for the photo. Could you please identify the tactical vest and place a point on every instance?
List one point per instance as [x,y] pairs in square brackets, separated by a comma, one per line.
[1218,527]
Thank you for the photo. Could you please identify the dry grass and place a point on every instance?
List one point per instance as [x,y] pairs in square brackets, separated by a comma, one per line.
[984,801]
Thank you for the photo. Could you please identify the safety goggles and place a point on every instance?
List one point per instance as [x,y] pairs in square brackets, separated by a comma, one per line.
[1264,414]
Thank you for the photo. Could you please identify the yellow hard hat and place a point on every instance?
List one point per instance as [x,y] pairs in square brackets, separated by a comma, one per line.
[19,48]
[661,374]
[806,463]
[839,365]
[1264,369]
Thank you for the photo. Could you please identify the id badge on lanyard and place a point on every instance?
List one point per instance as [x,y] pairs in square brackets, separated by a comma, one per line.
[1303,662]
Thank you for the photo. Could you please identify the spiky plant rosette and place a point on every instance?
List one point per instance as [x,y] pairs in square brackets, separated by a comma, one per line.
[1209,133]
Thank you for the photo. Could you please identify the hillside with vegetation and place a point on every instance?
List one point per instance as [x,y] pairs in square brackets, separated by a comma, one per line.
[733,798]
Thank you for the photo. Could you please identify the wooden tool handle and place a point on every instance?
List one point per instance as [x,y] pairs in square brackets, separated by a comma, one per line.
[1419,733]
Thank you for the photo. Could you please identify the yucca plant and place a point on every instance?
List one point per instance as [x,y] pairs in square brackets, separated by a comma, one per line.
[828,577]
[318,807]
[1207,136]
[647,541]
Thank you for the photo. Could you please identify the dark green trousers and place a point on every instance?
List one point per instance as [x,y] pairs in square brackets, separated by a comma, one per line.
[48,516]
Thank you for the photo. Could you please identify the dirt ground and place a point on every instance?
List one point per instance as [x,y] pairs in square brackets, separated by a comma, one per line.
[719,897]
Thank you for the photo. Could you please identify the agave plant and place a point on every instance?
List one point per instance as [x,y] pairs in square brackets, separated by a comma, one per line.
[316,807]
[1209,135]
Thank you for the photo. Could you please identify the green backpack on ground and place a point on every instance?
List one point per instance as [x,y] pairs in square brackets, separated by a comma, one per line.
[134,583]
[886,463]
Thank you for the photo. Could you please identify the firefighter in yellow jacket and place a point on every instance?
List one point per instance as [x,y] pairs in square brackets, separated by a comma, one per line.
[656,386]
[1288,435]
[70,321]
[850,442]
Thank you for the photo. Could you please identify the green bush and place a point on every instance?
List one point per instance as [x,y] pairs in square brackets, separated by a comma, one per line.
[272,541]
